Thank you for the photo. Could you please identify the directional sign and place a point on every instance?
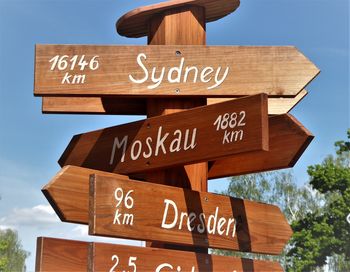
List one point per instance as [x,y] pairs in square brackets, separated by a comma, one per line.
[68,193]
[160,260]
[288,141]
[197,135]
[151,71]
[138,210]
[138,106]
[66,255]
[53,255]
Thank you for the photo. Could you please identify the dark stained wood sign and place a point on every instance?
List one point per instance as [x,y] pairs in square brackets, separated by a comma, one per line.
[67,255]
[138,106]
[197,135]
[152,212]
[150,71]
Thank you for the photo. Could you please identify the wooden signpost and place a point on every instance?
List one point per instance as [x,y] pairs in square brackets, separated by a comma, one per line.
[206,118]
[130,209]
[61,255]
[98,257]
[189,70]
[196,135]
[288,141]
[138,106]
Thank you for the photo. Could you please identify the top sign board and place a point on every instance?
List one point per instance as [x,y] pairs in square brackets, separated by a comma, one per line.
[153,71]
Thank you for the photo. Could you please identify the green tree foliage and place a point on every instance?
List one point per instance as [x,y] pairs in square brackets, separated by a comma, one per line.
[324,235]
[277,188]
[12,255]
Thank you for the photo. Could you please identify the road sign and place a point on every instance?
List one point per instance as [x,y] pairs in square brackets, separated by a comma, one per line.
[137,210]
[197,135]
[67,255]
[288,141]
[159,71]
[138,106]
[134,23]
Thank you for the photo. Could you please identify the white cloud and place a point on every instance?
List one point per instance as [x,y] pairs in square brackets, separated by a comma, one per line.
[41,221]
[40,216]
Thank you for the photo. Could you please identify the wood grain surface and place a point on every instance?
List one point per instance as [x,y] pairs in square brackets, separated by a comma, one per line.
[138,106]
[288,141]
[151,259]
[176,139]
[278,71]
[135,23]
[56,255]
[153,212]
[72,183]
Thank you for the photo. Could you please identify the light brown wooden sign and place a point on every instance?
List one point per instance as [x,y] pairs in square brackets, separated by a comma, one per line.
[197,135]
[134,23]
[138,106]
[153,71]
[106,256]
[57,255]
[138,210]
[288,141]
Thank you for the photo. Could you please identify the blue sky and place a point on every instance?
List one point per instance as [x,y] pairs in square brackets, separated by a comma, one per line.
[31,143]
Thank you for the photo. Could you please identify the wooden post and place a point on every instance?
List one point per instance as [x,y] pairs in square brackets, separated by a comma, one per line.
[180,26]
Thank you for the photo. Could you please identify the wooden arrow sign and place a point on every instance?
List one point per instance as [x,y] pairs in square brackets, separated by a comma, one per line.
[107,256]
[288,141]
[55,255]
[138,106]
[197,135]
[138,210]
[151,71]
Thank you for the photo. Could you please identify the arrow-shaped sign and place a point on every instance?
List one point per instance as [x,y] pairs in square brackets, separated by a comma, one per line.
[138,106]
[288,141]
[55,255]
[197,135]
[138,210]
[287,137]
[159,71]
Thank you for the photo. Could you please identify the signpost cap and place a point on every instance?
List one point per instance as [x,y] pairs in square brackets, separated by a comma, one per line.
[134,24]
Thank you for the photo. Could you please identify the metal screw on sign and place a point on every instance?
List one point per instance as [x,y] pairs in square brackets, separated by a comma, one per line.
[178,53]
